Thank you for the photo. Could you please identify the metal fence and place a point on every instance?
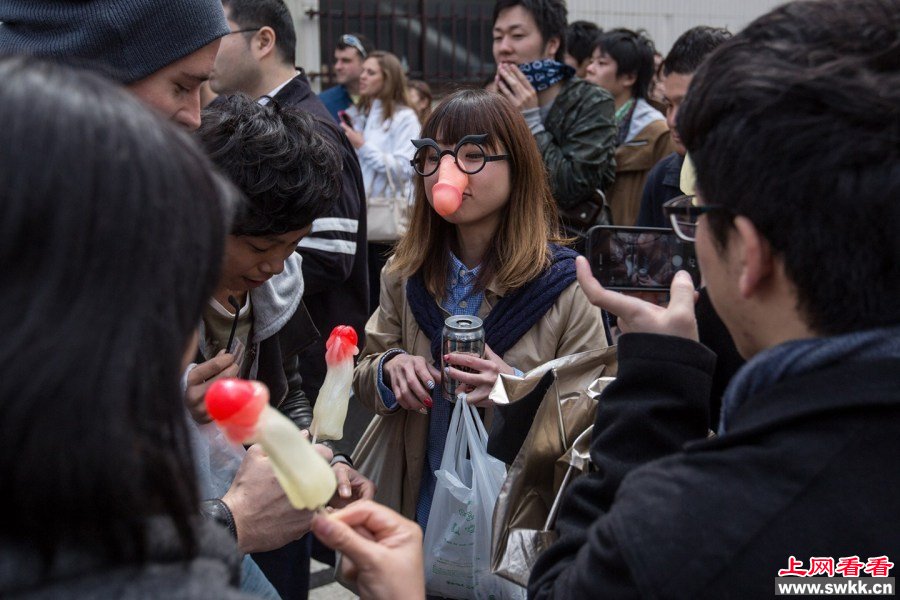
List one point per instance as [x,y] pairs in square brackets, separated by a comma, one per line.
[448,44]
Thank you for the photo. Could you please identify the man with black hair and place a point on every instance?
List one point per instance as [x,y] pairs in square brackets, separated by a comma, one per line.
[258,60]
[351,50]
[622,63]
[685,57]
[290,174]
[795,225]
[581,37]
[571,119]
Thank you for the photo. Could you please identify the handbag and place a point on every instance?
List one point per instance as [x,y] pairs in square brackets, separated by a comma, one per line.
[525,514]
[387,215]
[577,219]
[523,545]
[457,539]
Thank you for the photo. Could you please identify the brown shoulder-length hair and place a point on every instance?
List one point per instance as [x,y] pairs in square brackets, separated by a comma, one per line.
[393,88]
[529,220]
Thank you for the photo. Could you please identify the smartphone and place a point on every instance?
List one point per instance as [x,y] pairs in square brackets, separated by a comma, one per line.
[343,116]
[639,258]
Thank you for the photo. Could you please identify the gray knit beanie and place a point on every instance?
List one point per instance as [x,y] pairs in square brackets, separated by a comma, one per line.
[127,39]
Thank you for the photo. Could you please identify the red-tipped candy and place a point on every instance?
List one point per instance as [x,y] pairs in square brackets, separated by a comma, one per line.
[344,332]
[341,344]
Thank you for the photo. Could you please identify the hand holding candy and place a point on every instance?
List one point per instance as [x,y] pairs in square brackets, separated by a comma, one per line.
[241,409]
[331,404]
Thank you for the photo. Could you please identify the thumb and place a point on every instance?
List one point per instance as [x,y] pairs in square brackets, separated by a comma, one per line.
[682,291]
[339,536]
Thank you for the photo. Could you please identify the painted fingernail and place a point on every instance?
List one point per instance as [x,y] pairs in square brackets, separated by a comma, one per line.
[423,411]
[429,384]
[428,402]
[446,358]
[447,370]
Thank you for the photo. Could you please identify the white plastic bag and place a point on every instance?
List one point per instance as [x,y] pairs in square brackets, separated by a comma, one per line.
[458,537]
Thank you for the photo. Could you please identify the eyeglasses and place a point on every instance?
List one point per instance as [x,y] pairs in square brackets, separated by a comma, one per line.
[353,42]
[469,155]
[684,212]
[244,30]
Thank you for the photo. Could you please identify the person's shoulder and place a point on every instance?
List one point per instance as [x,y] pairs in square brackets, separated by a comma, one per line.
[390,276]
[577,89]
[298,95]
[660,168]
[405,116]
[406,112]
[333,93]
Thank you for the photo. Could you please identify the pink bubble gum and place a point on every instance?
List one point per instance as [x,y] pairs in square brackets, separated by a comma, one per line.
[341,344]
[447,192]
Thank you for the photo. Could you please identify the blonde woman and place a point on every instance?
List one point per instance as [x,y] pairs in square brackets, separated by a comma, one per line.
[496,257]
[380,128]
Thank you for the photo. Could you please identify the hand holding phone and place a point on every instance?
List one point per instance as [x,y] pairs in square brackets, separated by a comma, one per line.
[639,258]
[343,116]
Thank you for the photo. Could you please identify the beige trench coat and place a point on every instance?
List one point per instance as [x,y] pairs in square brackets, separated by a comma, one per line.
[572,325]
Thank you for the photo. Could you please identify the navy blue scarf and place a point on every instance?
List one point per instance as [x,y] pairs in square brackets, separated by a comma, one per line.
[797,357]
[542,74]
[513,315]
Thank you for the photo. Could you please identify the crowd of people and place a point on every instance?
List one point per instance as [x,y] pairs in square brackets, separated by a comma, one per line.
[178,213]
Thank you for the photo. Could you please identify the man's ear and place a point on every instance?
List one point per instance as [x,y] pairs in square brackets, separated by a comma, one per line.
[755,256]
[551,47]
[263,42]
[627,79]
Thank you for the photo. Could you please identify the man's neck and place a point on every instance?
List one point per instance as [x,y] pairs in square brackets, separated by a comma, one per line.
[621,99]
[221,296]
[274,77]
[352,87]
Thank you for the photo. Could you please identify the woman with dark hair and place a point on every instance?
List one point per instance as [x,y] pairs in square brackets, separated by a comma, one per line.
[497,257]
[380,129]
[111,234]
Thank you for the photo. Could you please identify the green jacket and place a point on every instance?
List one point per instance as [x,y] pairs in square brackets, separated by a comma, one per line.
[579,142]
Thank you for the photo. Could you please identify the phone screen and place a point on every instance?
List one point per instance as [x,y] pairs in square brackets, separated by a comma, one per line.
[639,258]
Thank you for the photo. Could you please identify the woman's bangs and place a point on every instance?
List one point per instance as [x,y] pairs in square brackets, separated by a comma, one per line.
[462,116]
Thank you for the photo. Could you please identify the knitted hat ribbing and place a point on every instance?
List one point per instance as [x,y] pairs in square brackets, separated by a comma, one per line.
[127,39]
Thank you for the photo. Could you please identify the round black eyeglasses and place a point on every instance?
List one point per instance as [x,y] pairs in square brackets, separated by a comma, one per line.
[469,155]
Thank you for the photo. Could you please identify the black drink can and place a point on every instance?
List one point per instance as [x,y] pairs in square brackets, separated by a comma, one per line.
[465,335]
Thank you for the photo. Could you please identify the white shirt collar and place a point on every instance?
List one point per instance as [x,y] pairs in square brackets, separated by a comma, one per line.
[265,99]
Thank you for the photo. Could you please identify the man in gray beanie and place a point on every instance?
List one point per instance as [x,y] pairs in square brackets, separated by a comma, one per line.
[162,50]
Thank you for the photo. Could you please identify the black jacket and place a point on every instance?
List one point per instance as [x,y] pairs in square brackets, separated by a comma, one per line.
[335,272]
[806,469]
[663,184]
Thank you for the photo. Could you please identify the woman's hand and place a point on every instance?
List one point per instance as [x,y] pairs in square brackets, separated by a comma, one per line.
[513,84]
[382,551]
[478,384]
[411,379]
[355,137]
[352,486]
